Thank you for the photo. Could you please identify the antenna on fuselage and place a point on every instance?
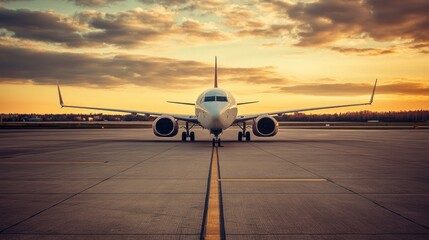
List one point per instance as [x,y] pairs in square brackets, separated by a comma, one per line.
[215,77]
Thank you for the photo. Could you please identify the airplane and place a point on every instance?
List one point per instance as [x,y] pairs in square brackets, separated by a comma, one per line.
[216,110]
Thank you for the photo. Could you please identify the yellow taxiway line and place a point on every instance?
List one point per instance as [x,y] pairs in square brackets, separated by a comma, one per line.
[212,228]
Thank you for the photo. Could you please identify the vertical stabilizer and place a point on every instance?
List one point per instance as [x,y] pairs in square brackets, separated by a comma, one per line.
[215,76]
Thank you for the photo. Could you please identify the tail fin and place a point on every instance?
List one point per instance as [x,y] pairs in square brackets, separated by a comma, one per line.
[215,76]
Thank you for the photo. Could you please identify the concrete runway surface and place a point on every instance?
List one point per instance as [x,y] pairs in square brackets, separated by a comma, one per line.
[129,184]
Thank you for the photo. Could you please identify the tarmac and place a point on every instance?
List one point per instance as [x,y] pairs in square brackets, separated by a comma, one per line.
[129,184]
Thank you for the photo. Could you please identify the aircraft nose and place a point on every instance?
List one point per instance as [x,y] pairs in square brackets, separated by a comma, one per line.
[215,111]
[215,115]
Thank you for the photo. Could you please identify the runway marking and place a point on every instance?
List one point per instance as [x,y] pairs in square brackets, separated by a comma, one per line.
[213,224]
[273,180]
[46,162]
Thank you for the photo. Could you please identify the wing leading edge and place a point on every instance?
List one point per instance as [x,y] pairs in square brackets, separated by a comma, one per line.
[182,117]
[252,116]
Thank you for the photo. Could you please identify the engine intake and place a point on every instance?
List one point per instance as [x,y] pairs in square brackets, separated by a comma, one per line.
[165,126]
[265,126]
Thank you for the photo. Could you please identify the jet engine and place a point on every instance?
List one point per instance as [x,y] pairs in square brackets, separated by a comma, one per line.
[165,126]
[265,126]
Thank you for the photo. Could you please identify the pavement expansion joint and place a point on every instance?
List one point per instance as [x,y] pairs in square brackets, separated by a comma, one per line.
[272,180]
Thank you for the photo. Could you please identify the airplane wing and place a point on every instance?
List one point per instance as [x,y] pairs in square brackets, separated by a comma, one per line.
[183,103]
[187,118]
[253,116]
[244,103]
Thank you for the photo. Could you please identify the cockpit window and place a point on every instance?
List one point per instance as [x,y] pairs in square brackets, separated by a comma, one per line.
[215,98]
[221,99]
[209,99]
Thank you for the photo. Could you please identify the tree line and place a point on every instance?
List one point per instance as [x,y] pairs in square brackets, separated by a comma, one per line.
[360,116]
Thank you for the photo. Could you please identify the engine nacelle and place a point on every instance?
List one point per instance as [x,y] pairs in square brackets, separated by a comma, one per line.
[265,126]
[165,126]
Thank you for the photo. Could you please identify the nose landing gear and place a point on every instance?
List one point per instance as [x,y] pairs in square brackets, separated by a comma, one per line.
[216,141]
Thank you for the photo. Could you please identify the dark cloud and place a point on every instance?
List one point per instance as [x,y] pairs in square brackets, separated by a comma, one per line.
[91,28]
[45,67]
[128,28]
[363,51]
[357,89]
[397,19]
[41,26]
[140,26]
[324,22]
[327,20]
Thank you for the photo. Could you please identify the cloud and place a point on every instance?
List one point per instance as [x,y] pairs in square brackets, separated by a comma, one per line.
[326,21]
[251,22]
[358,89]
[41,26]
[206,7]
[137,26]
[363,51]
[45,67]
[197,30]
[422,47]
[323,22]
[141,26]
[1,1]
[92,28]
[94,3]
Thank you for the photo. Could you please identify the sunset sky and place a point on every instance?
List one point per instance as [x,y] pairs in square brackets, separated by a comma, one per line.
[137,54]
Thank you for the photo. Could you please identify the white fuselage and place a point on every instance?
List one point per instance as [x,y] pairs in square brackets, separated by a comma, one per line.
[216,109]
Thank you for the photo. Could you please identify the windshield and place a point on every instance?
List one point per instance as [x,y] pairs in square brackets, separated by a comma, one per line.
[221,99]
[209,99]
[215,98]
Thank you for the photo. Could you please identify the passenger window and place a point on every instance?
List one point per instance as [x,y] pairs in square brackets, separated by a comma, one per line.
[221,99]
[209,99]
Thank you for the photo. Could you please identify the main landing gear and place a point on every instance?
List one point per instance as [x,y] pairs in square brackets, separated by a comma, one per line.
[243,134]
[187,133]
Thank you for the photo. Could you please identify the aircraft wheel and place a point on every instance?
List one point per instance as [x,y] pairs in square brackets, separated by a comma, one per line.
[219,142]
[213,142]
[183,136]
[247,136]
[192,136]
[240,136]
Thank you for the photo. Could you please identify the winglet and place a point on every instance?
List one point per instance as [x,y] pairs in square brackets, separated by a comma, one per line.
[215,76]
[59,95]
[373,92]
